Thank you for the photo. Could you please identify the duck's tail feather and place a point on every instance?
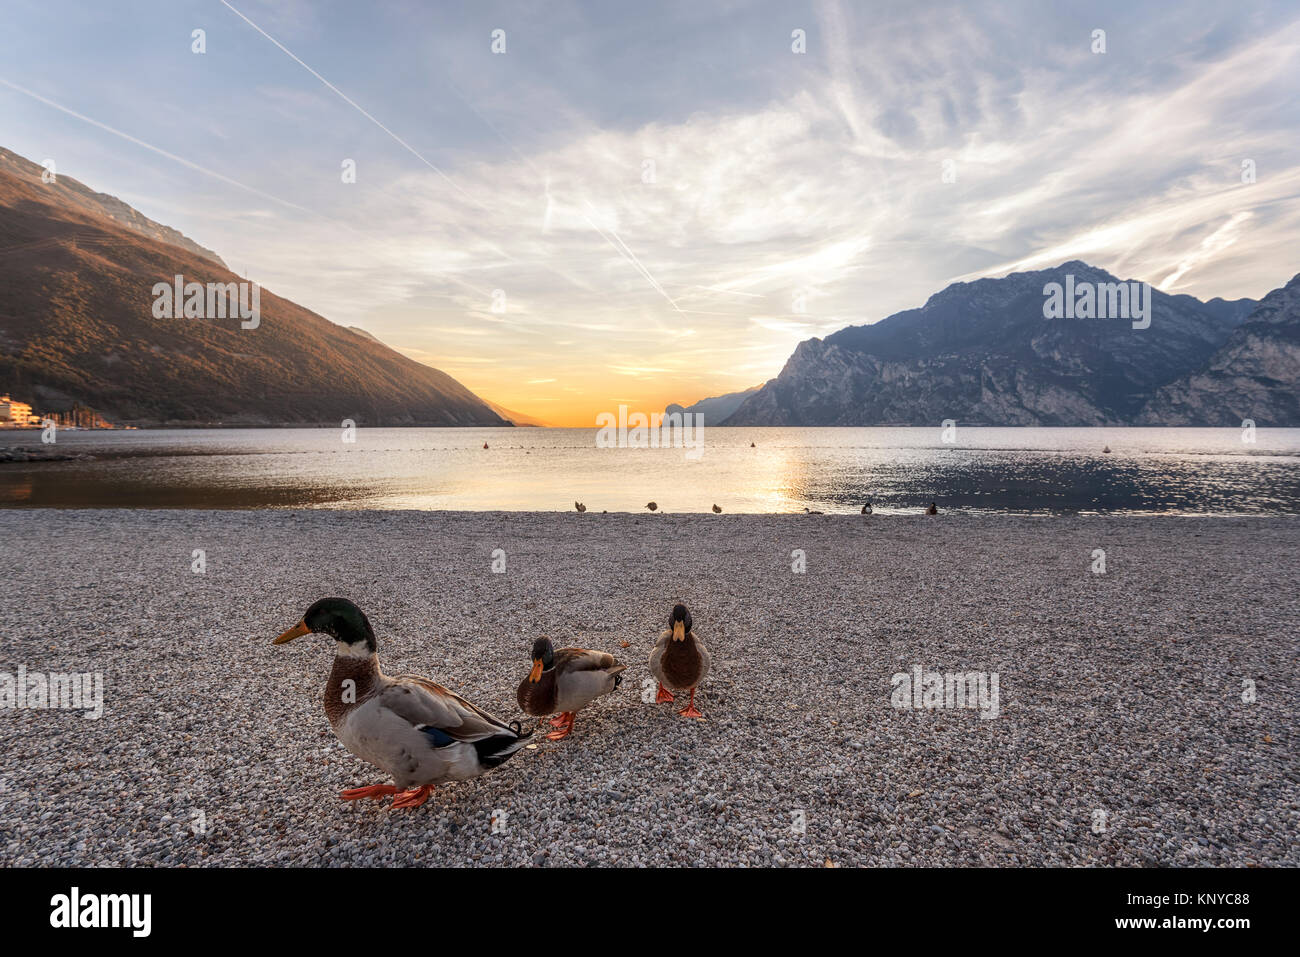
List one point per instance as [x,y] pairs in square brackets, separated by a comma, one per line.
[497,749]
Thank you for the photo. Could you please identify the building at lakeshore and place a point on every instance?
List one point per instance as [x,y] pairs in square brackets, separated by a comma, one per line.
[16,415]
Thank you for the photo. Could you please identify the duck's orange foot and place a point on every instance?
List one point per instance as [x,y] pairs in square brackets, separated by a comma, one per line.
[564,729]
[374,792]
[663,695]
[689,711]
[413,798]
[559,721]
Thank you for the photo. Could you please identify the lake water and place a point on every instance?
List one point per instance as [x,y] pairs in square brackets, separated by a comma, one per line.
[1168,471]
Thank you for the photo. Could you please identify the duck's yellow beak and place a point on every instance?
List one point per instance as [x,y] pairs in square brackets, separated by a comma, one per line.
[536,674]
[679,631]
[297,631]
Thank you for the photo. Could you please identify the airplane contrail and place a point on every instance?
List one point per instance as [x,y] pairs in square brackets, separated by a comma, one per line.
[149,146]
[618,244]
[356,106]
[213,173]
[730,292]
[622,249]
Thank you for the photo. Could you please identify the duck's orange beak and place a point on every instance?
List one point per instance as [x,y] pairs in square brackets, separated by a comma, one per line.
[679,631]
[297,631]
[536,674]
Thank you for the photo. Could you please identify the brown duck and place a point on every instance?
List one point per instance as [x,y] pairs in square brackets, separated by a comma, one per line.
[566,681]
[679,660]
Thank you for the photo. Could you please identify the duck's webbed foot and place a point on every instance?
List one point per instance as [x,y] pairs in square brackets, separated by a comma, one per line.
[413,798]
[663,695]
[563,730]
[690,710]
[374,792]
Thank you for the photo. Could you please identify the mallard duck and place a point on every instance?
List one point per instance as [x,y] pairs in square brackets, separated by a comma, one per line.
[866,509]
[679,660]
[652,506]
[717,509]
[417,731]
[579,506]
[932,510]
[566,681]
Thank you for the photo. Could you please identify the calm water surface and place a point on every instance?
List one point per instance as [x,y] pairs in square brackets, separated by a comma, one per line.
[1169,471]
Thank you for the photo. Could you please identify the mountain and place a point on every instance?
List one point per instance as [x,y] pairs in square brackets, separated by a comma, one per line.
[517,418]
[1254,375]
[983,353]
[717,408]
[73,194]
[1233,311]
[77,325]
[514,418]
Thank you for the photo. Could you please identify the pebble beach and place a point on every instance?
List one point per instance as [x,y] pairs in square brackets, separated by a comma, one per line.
[1146,713]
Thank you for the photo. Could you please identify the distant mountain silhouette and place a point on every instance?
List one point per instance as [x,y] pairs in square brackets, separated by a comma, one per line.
[717,408]
[517,418]
[77,326]
[514,418]
[982,353]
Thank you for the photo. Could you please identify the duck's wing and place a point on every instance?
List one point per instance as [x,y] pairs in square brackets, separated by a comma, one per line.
[706,659]
[582,676]
[574,660]
[428,705]
[657,654]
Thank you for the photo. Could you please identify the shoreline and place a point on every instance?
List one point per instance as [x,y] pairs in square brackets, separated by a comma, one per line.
[880,513]
[1119,692]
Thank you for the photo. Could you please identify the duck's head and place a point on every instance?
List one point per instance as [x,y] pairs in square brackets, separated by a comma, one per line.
[342,621]
[543,659]
[680,622]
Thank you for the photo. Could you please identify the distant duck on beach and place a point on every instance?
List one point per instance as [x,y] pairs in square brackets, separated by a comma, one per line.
[1106,450]
[752,445]
[579,506]
[811,511]
[653,506]
[717,510]
[866,509]
[485,445]
[932,510]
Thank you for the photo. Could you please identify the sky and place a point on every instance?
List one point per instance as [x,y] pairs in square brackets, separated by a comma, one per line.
[644,203]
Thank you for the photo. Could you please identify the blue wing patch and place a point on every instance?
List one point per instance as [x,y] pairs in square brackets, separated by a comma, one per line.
[438,738]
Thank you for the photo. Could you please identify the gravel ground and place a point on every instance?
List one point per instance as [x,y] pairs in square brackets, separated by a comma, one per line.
[1119,693]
